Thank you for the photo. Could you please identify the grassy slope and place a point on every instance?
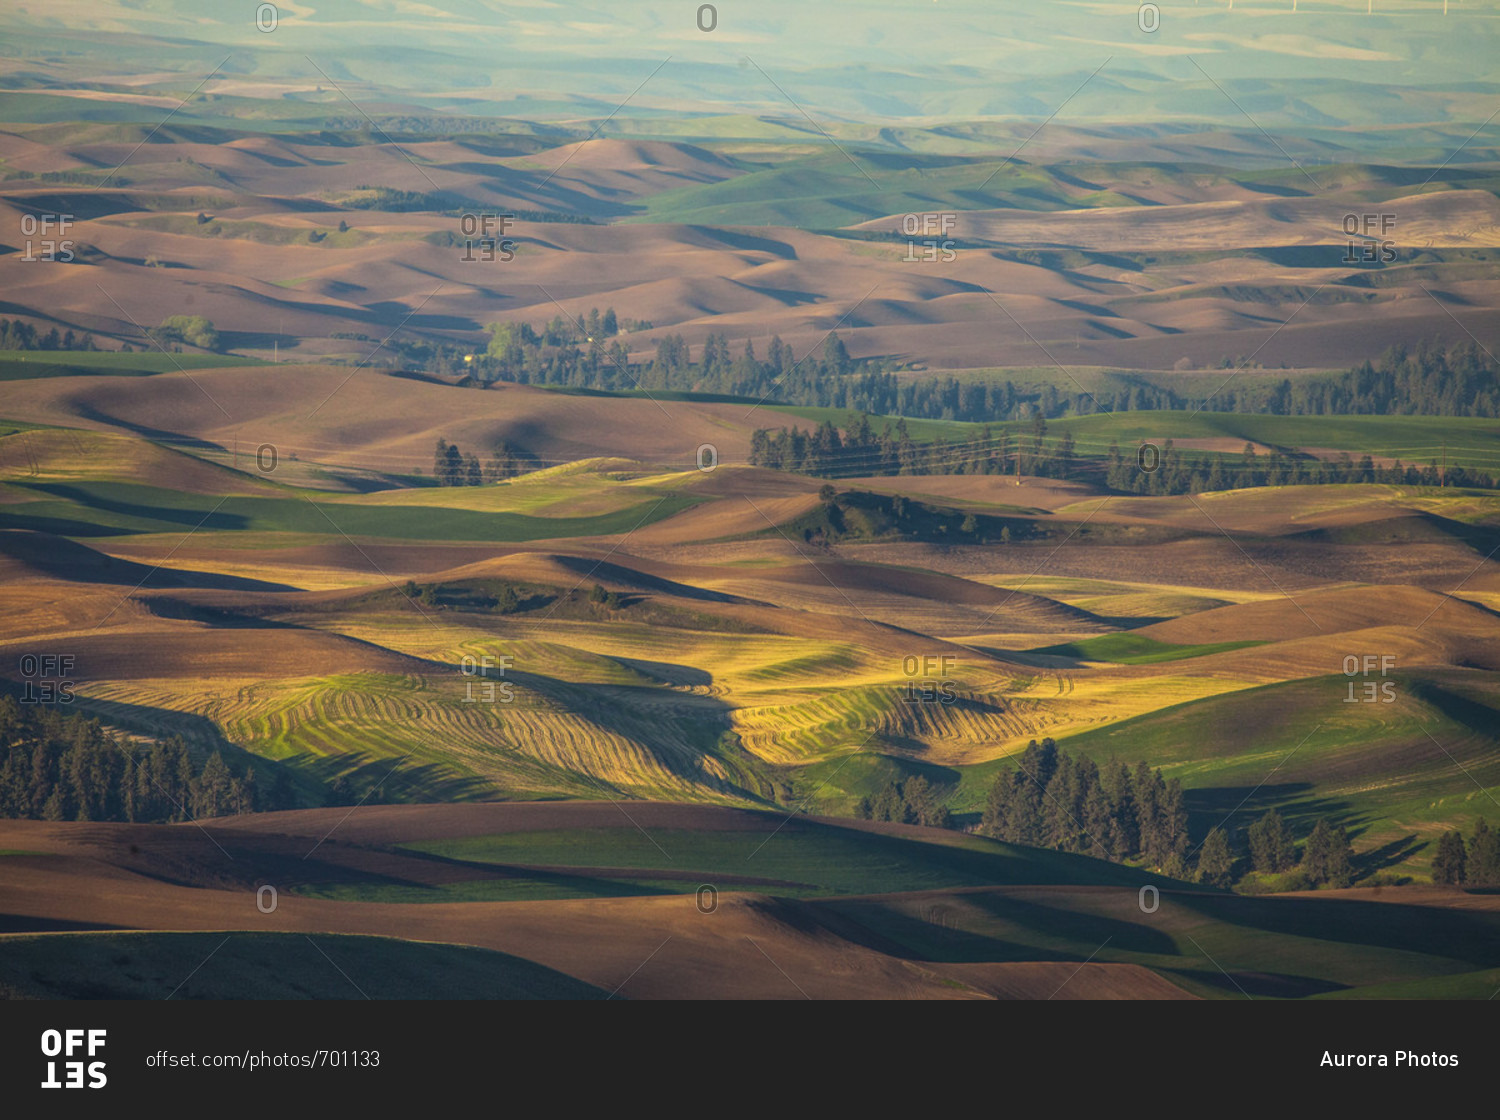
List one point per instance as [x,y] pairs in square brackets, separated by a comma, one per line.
[805,858]
[1135,649]
[1471,442]
[1048,906]
[823,191]
[920,896]
[107,508]
[1371,767]
[1212,944]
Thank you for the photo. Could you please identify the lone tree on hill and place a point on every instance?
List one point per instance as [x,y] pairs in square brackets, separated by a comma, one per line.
[194,330]
[609,600]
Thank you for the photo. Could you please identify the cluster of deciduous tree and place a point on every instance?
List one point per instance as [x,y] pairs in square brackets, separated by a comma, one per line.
[15,334]
[451,467]
[609,600]
[67,768]
[1052,799]
[1476,863]
[194,330]
[912,801]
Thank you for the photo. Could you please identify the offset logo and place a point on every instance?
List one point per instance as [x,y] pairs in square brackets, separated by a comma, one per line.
[1372,691]
[1368,241]
[487,232]
[54,244]
[46,678]
[934,229]
[928,678]
[488,692]
[74,1046]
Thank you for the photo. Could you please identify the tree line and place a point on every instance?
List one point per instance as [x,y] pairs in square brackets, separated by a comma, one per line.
[175,330]
[1174,472]
[17,334]
[1427,379]
[1054,799]
[60,767]
[827,451]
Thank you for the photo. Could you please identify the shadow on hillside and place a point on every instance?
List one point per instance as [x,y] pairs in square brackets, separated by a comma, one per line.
[668,672]
[681,743]
[375,779]
[1471,936]
[221,618]
[1393,854]
[915,698]
[199,732]
[87,411]
[602,571]
[1263,985]
[25,923]
[257,340]
[310,775]
[65,559]
[1022,931]
[746,242]
[1236,808]
[192,518]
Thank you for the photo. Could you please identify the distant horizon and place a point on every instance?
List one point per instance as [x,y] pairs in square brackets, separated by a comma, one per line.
[1322,66]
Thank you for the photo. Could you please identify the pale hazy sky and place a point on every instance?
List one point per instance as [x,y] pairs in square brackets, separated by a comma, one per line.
[854,58]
